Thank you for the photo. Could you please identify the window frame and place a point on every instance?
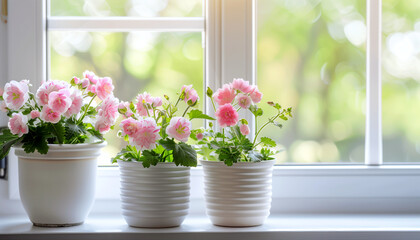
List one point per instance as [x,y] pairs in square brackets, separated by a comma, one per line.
[346,188]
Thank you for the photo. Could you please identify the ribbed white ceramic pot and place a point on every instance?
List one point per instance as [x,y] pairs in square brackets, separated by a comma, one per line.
[238,195]
[155,197]
[57,189]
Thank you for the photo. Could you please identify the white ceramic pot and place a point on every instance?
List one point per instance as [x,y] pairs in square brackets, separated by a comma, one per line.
[57,189]
[155,197]
[238,195]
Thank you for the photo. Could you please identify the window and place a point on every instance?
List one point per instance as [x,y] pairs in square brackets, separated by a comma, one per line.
[230,52]
[155,53]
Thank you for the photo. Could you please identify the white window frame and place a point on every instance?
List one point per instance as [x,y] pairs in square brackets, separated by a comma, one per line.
[230,52]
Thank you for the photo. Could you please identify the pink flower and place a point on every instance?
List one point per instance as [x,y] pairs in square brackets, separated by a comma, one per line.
[91,76]
[18,124]
[142,100]
[256,95]
[108,110]
[224,95]
[130,127]
[124,108]
[3,106]
[85,83]
[179,128]
[241,85]
[147,134]
[104,87]
[244,129]
[102,125]
[190,94]
[92,88]
[15,94]
[48,115]
[35,114]
[59,101]
[199,136]
[157,102]
[46,88]
[76,103]
[244,100]
[226,115]
[76,80]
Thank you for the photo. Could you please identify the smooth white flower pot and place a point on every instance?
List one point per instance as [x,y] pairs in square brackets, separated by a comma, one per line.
[238,195]
[57,189]
[155,197]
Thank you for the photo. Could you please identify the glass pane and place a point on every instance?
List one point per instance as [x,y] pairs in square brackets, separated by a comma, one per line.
[132,8]
[311,56]
[401,76]
[159,63]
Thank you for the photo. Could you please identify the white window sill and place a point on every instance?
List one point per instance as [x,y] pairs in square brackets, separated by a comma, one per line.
[199,227]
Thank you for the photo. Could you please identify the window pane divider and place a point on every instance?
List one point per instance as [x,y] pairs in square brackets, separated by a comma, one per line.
[373,138]
[123,24]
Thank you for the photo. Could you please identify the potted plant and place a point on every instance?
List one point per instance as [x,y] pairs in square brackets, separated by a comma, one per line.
[238,170]
[155,165]
[57,135]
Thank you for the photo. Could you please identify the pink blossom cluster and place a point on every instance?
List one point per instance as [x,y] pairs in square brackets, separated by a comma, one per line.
[142,125]
[143,133]
[146,104]
[240,93]
[56,99]
[107,114]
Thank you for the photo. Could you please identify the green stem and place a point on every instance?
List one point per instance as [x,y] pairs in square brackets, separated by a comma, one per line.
[179,99]
[223,131]
[263,126]
[147,109]
[154,114]
[87,109]
[212,102]
[185,112]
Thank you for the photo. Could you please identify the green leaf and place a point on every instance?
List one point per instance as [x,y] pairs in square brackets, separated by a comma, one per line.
[185,155]
[36,139]
[26,111]
[149,158]
[59,131]
[268,142]
[207,153]
[7,136]
[7,140]
[229,155]
[283,117]
[256,110]
[198,114]
[168,144]
[266,153]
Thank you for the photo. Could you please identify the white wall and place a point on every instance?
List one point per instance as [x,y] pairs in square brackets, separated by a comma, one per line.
[3,64]
[9,206]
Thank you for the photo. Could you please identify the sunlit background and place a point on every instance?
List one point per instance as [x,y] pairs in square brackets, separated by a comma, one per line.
[400,80]
[310,56]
